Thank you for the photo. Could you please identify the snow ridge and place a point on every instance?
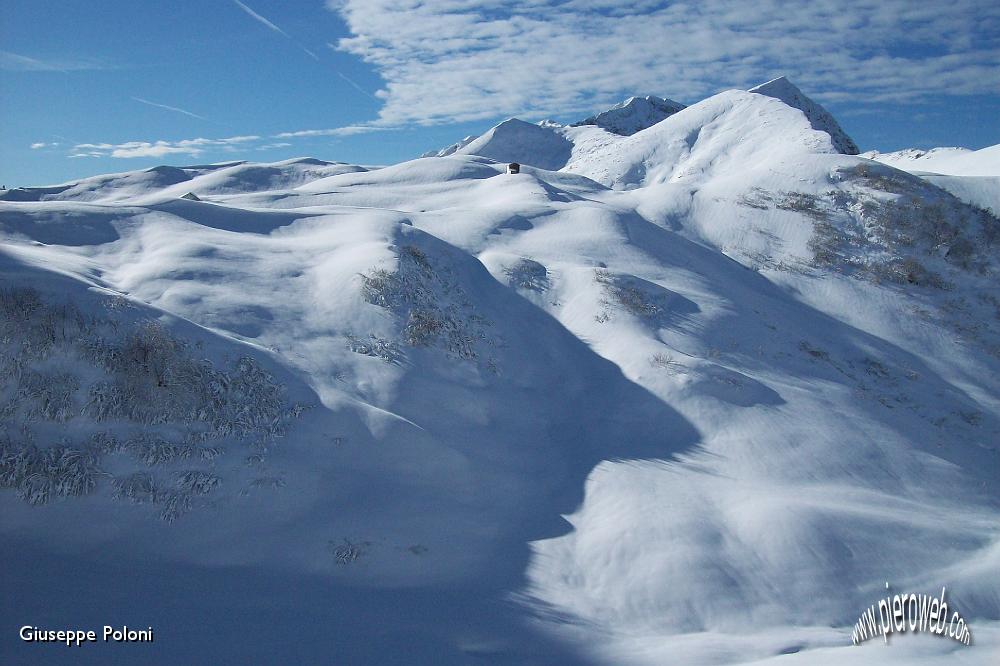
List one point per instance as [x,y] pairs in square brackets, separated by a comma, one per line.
[783,89]
[634,114]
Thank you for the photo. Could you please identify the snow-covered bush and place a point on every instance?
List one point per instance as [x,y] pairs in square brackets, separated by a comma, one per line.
[432,307]
[197,482]
[49,395]
[348,551]
[39,475]
[885,225]
[636,297]
[800,202]
[528,274]
[139,488]
[74,371]
[666,361]
[268,482]
[375,346]
[143,488]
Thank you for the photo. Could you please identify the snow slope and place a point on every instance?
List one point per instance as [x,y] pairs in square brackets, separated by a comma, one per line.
[448,150]
[223,178]
[971,175]
[514,140]
[783,89]
[945,161]
[696,397]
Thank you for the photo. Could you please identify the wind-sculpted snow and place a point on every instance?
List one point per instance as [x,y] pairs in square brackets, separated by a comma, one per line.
[697,397]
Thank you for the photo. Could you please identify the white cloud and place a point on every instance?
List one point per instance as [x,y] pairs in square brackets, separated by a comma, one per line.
[40,144]
[199,146]
[348,130]
[458,60]
[159,148]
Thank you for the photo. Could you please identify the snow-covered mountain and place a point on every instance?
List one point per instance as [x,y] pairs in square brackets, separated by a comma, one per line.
[971,175]
[820,119]
[453,148]
[694,395]
[546,147]
[633,115]
[944,161]
[720,136]
[575,147]
[222,178]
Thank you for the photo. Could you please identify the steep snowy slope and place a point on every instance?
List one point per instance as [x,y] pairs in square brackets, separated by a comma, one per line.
[783,89]
[697,397]
[633,115]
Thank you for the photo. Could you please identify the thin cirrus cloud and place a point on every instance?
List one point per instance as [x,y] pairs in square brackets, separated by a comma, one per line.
[15,62]
[462,60]
[199,146]
[348,130]
[131,149]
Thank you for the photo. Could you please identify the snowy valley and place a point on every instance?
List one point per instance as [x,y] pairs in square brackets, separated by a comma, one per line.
[691,387]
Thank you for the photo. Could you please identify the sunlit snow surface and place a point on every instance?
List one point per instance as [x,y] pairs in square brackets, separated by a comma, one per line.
[695,398]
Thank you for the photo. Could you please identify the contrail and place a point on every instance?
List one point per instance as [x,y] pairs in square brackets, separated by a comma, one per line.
[275,28]
[260,18]
[355,85]
[170,108]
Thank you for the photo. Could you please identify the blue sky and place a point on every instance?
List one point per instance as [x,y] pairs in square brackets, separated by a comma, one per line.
[108,85]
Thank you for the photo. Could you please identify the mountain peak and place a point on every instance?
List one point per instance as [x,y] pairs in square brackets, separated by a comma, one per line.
[820,119]
[515,140]
[633,115]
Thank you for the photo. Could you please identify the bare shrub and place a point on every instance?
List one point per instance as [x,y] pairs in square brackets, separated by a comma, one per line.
[634,297]
[666,361]
[135,373]
[433,308]
[51,394]
[528,274]
[375,346]
[801,202]
[38,475]
[197,482]
[138,488]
